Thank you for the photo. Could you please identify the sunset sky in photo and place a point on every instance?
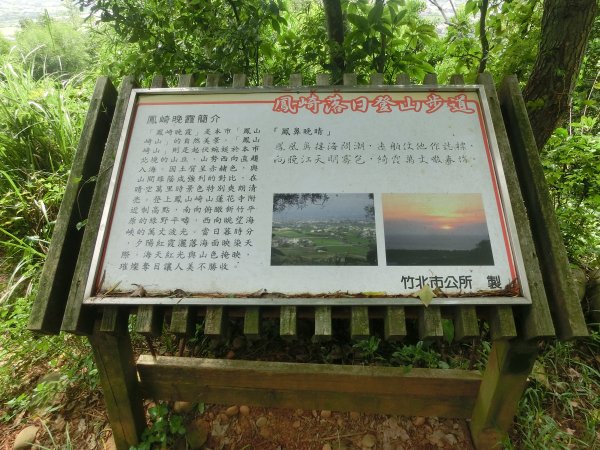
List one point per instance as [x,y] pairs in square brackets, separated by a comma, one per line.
[433,221]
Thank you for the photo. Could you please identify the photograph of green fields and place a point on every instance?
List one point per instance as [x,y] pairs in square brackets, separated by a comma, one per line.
[436,230]
[323,230]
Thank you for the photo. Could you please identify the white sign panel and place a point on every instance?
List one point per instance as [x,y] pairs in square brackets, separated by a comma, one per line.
[308,194]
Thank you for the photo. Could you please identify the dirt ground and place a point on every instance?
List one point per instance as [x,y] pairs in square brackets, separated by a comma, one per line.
[86,426]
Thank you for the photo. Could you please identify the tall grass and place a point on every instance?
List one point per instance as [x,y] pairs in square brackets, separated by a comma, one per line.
[40,122]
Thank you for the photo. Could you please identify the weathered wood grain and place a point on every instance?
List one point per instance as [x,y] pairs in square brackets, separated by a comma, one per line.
[560,289]
[509,364]
[359,322]
[78,319]
[51,300]
[430,323]
[113,354]
[394,323]
[288,322]
[445,393]
[323,327]
[533,321]
[252,322]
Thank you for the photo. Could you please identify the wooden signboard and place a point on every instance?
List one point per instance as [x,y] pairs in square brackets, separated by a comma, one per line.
[321,196]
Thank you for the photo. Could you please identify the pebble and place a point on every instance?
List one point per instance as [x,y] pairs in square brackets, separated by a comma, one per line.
[230,354]
[25,438]
[244,410]
[266,432]
[196,435]
[325,414]
[297,424]
[261,421]
[232,411]
[354,415]
[368,441]
[182,407]
[223,418]
[451,439]
[326,447]
[418,421]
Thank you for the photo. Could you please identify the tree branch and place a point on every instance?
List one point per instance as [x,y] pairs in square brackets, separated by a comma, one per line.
[485,45]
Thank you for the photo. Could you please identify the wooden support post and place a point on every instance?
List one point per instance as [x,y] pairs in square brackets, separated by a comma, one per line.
[114,359]
[508,366]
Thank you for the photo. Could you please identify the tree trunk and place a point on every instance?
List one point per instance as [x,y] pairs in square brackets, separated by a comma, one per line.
[566,26]
[335,33]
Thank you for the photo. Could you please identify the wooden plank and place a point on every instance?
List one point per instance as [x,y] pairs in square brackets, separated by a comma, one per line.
[430,323]
[110,318]
[505,377]
[252,322]
[239,80]
[394,323]
[323,328]
[323,79]
[288,323]
[213,79]
[113,354]
[457,79]
[214,320]
[149,320]
[181,321]
[403,79]
[502,323]
[377,79]
[359,322]
[430,392]
[350,79]
[49,306]
[268,80]
[295,80]
[465,323]
[533,321]
[465,317]
[76,318]
[158,81]
[430,79]
[552,255]
[182,317]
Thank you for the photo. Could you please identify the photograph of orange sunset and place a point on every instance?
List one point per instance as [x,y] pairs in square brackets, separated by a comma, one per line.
[436,230]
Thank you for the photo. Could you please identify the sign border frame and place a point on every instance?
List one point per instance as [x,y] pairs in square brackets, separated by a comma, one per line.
[90,298]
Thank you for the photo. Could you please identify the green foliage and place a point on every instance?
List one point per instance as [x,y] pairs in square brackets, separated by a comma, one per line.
[165,428]
[387,37]
[40,119]
[21,351]
[562,399]
[53,46]
[571,159]
[419,355]
[224,36]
